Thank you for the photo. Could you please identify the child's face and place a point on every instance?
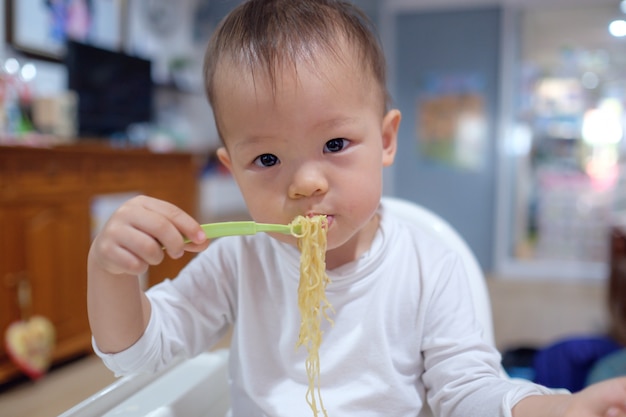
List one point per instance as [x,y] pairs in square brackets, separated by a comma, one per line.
[316,146]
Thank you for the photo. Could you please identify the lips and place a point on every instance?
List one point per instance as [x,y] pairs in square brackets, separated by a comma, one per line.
[329,217]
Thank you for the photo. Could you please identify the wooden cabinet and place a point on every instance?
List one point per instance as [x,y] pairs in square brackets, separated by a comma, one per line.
[46,197]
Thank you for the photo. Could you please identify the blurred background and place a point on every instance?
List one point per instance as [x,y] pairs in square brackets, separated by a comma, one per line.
[512,131]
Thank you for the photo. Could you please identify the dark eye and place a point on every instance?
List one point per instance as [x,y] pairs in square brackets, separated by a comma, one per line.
[335,145]
[266,160]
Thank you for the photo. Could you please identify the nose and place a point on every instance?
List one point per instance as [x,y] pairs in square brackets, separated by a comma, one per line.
[308,180]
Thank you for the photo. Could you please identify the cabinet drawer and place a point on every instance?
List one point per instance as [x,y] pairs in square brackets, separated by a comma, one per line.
[42,174]
[4,183]
[117,173]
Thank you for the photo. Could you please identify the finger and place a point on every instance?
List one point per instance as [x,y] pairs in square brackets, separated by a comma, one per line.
[118,259]
[126,262]
[131,244]
[151,233]
[143,243]
[612,393]
[616,412]
[184,223]
[163,221]
[196,247]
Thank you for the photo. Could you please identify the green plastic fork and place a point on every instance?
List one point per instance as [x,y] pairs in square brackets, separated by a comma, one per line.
[214,230]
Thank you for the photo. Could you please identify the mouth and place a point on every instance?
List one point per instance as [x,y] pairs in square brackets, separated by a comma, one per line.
[329,218]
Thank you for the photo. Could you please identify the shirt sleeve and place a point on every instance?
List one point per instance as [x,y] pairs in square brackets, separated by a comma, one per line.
[521,389]
[463,374]
[133,359]
[189,315]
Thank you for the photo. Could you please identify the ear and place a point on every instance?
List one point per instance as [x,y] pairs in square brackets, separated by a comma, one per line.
[391,124]
[222,155]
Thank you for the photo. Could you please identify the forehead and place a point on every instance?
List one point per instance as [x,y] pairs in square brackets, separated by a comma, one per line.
[302,99]
[333,66]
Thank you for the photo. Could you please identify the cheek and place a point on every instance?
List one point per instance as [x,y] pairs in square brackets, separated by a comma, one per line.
[261,200]
[364,176]
[249,193]
[360,188]
[362,191]
[254,197]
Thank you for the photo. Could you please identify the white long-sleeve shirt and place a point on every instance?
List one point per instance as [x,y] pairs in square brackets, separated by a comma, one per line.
[404,330]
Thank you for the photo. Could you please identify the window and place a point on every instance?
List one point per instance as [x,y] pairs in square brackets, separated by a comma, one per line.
[564,141]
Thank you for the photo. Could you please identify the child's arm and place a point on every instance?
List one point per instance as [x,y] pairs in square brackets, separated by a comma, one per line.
[604,399]
[135,237]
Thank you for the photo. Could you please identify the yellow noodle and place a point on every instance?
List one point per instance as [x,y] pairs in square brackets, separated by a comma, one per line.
[312,300]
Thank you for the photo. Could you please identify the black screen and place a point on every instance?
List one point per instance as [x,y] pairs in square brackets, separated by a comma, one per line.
[114,89]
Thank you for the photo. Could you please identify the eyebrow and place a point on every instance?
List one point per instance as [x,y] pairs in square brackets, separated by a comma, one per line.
[335,122]
[251,141]
[324,124]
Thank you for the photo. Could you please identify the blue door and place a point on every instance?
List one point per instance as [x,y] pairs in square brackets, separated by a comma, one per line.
[446,85]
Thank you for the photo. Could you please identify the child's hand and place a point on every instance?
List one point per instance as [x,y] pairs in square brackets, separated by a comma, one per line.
[604,399]
[140,231]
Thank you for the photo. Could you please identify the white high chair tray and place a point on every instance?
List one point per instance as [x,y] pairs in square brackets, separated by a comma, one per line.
[197,387]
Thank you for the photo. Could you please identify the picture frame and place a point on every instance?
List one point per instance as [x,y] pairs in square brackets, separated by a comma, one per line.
[39,28]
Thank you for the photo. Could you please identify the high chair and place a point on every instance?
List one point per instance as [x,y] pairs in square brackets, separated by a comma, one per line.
[198,387]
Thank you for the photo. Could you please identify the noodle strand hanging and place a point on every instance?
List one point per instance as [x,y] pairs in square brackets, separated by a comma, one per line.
[312,301]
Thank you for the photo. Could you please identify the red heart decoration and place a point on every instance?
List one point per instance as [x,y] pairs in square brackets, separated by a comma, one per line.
[29,344]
